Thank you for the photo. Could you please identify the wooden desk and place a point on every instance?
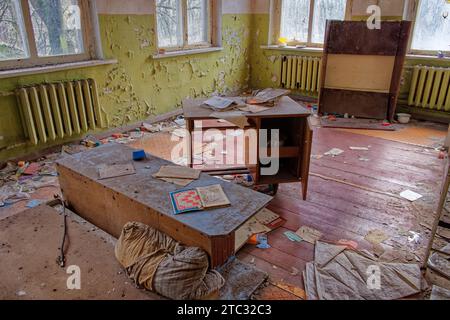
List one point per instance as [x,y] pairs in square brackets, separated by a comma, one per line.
[111,203]
[290,118]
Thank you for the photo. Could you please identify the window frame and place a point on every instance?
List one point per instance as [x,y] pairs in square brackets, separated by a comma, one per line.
[212,26]
[275,28]
[33,60]
[411,12]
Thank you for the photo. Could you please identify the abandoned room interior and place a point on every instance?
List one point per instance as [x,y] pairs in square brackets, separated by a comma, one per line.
[224,150]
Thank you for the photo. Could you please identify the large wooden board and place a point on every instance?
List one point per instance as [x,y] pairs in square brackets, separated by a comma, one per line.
[360,73]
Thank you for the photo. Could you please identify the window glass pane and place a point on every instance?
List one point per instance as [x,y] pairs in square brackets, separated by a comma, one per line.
[170,23]
[432,26]
[57,27]
[12,31]
[295,20]
[198,21]
[326,10]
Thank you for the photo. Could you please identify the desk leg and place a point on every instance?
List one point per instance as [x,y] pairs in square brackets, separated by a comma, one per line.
[190,126]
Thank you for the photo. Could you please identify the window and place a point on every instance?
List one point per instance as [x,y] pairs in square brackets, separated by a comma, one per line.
[40,32]
[184,24]
[303,21]
[432,27]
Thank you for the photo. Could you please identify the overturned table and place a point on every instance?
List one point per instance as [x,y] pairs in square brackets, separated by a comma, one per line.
[111,203]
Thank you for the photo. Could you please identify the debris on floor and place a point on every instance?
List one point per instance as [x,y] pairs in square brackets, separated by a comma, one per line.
[341,274]
[309,234]
[440,294]
[241,280]
[293,236]
[440,261]
[376,237]
[410,195]
[334,152]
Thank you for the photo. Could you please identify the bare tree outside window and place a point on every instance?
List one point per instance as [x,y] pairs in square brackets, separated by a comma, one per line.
[432,26]
[296,16]
[326,10]
[183,23]
[295,20]
[170,23]
[13,43]
[198,18]
[57,27]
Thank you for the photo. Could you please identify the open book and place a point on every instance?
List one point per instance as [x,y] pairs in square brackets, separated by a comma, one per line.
[197,199]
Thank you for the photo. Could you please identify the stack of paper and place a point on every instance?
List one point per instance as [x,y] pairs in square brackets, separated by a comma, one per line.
[219,103]
[181,176]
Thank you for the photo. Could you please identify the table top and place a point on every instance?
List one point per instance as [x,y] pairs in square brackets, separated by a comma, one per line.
[194,109]
[154,193]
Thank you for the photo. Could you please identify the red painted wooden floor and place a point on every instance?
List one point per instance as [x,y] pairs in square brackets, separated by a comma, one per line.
[359,197]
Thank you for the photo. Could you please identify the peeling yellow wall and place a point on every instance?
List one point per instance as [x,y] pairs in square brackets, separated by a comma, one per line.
[139,86]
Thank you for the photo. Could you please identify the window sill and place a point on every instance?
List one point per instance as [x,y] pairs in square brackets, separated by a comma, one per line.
[426,57]
[171,54]
[54,68]
[292,48]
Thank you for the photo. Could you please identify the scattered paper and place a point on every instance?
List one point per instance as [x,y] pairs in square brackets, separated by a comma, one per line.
[34,203]
[359,148]
[267,95]
[351,245]
[364,159]
[249,229]
[376,237]
[114,171]
[308,234]
[410,195]
[266,216]
[293,236]
[219,103]
[334,152]
[317,157]
[178,172]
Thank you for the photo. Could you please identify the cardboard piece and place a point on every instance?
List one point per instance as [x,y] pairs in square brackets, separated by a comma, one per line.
[266,216]
[178,172]
[249,229]
[116,170]
[308,234]
[376,237]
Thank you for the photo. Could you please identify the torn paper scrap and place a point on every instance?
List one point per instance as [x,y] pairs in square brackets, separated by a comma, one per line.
[334,152]
[177,172]
[219,103]
[376,237]
[308,234]
[293,236]
[359,148]
[410,195]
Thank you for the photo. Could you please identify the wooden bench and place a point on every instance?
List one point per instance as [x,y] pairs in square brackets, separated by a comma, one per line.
[111,203]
